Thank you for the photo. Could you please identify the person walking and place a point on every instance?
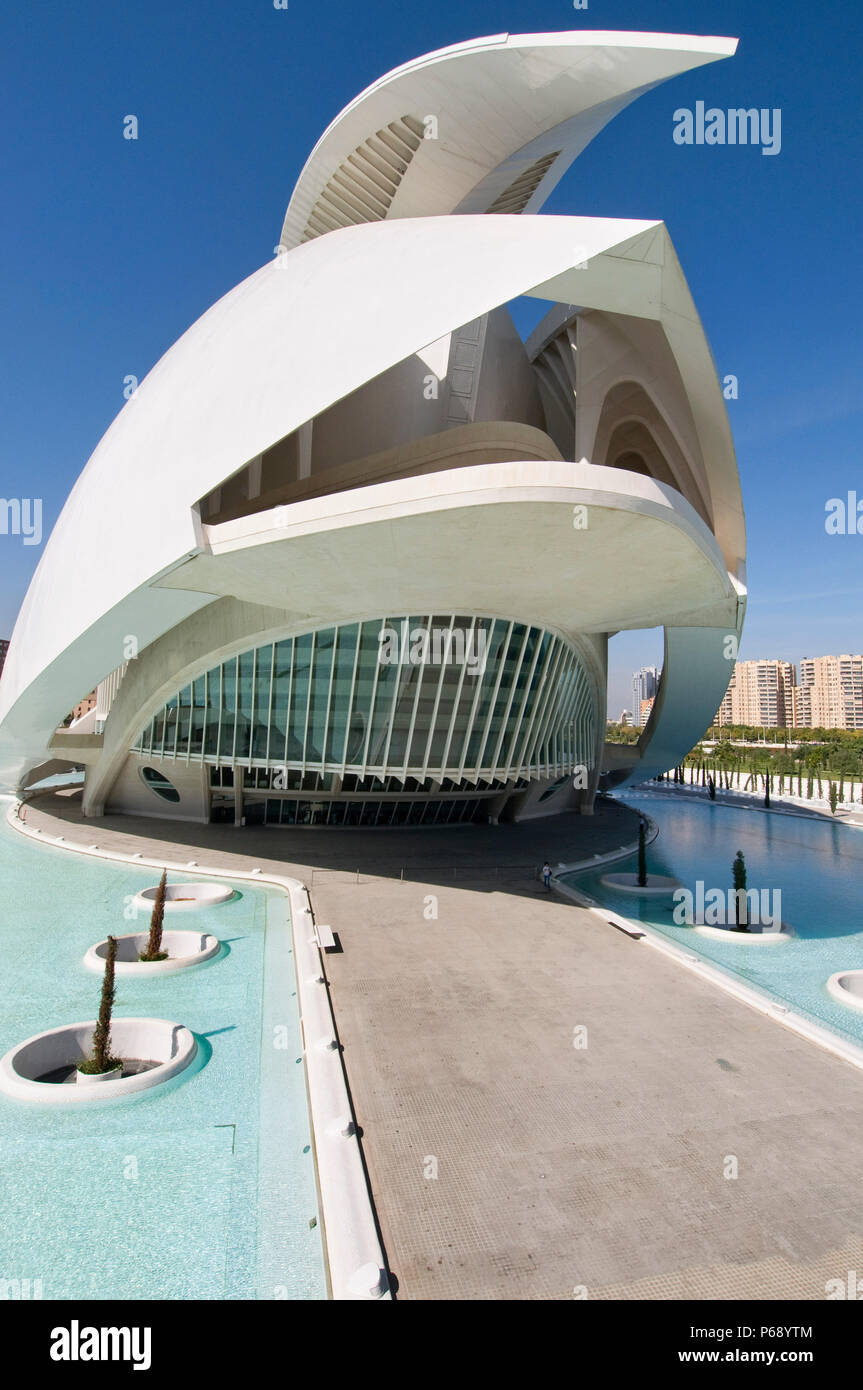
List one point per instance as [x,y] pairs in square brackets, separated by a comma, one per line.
[546,875]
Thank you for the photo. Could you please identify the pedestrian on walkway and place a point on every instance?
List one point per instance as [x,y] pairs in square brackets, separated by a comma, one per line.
[546,875]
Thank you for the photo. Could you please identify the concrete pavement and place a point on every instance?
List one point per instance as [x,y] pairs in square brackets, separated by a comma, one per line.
[550,1109]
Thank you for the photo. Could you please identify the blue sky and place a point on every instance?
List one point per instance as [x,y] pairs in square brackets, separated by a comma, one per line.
[110,248]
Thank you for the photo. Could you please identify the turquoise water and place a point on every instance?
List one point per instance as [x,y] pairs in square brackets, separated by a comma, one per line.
[203,1188]
[817,864]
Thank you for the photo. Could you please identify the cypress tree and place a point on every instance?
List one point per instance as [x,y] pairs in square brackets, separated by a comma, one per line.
[100,1059]
[738,870]
[154,941]
[642,853]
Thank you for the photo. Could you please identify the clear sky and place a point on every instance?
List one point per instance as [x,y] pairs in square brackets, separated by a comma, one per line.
[110,248]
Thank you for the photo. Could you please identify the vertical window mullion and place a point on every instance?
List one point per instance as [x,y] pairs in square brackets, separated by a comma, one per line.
[253,705]
[290,697]
[312,655]
[420,677]
[352,697]
[542,689]
[438,692]
[370,718]
[493,701]
[457,700]
[468,733]
[507,711]
[236,709]
[548,709]
[270,702]
[325,739]
[515,737]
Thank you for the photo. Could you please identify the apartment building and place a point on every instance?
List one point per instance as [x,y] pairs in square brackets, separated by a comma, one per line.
[830,693]
[759,693]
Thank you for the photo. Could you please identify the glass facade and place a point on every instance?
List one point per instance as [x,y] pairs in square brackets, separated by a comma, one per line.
[453,811]
[423,697]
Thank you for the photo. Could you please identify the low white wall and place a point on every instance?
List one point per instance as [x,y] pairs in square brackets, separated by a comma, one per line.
[158,1040]
[130,796]
[184,897]
[847,987]
[184,948]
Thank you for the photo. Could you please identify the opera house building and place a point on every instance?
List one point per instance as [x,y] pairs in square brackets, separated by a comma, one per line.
[353,551]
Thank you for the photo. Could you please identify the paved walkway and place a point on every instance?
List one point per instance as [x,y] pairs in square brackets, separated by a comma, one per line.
[507,1163]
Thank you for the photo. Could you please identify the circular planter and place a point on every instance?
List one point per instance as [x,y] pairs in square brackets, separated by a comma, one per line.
[847,987]
[745,938]
[185,897]
[95,1078]
[657,886]
[165,1049]
[184,948]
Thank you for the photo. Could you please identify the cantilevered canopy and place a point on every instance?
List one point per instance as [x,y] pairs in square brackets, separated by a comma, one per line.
[486,126]
[590,548]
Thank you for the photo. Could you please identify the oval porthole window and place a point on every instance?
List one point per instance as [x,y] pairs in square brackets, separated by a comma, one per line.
[555,787]
[159,784]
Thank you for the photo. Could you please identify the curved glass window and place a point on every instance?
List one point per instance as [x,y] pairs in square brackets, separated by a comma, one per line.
[430,697]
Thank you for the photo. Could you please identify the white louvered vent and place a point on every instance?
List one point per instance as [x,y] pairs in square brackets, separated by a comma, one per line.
[364,185]
[521,190]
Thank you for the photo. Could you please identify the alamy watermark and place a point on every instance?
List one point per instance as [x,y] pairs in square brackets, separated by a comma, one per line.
[844,515]
[433,646]
[737,126]
[732,907]
[22,516]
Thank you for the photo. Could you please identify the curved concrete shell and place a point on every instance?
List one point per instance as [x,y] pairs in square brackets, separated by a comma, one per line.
[357,434]
[486,126]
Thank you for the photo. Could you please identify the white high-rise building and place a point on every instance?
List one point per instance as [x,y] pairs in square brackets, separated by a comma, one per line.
[759,694]
[645,684]
[830,693]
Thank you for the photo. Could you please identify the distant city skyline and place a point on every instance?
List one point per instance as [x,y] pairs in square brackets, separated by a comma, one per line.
[816,691]
[629,652]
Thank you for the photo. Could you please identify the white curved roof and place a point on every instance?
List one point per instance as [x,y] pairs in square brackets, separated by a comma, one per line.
[262,361]
[513,111]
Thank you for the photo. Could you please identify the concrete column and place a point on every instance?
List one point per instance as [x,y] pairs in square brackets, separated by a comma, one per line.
[238,796]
